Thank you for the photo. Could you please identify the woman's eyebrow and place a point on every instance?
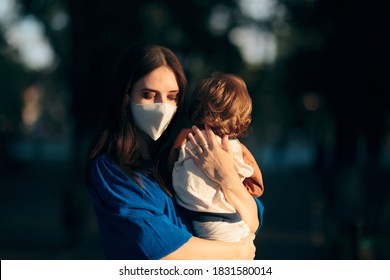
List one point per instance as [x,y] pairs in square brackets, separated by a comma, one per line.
[148,89]
[155,90]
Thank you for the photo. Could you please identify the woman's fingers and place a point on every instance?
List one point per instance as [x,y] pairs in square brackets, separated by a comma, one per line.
[250,248]
[195,144]
[201,144]
[226,144]
[214,142]
[211,136]
[192,153]
[208,154]
[199,140]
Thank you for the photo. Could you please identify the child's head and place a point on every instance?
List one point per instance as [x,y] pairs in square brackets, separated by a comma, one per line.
[221,101]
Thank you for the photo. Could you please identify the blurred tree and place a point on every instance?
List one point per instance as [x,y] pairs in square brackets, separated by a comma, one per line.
[13,80]
[342,54]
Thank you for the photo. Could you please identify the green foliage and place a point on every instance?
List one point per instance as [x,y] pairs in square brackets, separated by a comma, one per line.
[13,80]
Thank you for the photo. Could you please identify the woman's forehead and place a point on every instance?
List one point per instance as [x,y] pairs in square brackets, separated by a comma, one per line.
[162,77]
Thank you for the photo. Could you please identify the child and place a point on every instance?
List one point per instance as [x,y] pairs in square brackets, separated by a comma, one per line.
[222,102]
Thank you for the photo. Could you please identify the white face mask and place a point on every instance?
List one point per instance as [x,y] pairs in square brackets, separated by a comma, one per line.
[154,118]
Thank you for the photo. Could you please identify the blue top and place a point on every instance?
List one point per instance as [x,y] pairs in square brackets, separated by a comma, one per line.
[136,223]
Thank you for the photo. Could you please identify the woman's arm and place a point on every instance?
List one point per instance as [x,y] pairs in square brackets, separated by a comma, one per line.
[201,249]
[216,161]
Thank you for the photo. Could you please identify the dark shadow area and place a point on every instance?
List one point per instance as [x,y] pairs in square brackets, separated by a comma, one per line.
[321,119]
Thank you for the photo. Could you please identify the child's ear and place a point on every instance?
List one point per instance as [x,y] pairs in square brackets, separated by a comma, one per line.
[253,187]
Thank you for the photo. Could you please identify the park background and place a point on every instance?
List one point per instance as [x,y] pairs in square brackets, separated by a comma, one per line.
[317,71]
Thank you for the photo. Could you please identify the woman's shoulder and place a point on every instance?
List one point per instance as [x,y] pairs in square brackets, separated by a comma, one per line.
[102,160]
[104,170]
[103,163]
[108,182]
[114,190]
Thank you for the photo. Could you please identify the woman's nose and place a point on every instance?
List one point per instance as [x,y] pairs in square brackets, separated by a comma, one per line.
[160,99]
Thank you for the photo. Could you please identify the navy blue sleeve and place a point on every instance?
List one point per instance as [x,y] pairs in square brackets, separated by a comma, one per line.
[135,222]
[260,210]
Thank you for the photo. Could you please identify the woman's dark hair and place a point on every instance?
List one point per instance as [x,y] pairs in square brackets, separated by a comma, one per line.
[119,138]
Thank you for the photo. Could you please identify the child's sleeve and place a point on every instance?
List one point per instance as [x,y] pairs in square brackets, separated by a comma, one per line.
[254,184]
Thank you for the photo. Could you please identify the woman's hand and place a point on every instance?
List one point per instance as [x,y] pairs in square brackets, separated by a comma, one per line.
[248,247]
[202,249]
[216,161]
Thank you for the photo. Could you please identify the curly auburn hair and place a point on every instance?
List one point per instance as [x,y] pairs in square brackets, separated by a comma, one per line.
[222,102]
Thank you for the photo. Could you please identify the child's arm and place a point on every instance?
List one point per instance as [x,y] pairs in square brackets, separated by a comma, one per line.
[181,140]
[254,184]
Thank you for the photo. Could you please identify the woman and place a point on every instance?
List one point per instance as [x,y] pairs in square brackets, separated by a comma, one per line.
[127,171]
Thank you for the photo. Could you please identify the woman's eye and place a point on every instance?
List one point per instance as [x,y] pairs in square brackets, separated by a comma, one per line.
[172,97]
[148,95]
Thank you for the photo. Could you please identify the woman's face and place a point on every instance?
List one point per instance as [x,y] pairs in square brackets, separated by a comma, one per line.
[159,86]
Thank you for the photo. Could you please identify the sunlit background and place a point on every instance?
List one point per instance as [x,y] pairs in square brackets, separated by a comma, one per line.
[317,71]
